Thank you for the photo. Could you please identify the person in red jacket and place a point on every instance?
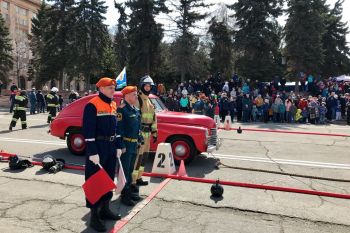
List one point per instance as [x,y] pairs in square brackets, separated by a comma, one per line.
[302,104]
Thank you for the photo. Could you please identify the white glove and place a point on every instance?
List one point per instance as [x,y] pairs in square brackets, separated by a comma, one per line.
[119,153]
[95,159]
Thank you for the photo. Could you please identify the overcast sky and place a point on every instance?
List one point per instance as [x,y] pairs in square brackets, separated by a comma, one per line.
[112,14]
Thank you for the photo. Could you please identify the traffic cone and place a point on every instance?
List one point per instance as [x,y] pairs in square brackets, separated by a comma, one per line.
[182,169]
[227,124]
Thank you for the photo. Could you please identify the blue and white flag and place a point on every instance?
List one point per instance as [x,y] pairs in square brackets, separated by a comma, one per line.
[121,79]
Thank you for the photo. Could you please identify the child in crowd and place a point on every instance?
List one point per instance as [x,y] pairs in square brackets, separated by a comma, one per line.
[323,111]
[304,114]
[254,113]
[298,116]
[282,111]
[293,110]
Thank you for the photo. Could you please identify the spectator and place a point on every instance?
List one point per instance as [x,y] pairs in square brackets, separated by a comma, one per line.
[323,111]
[184,91]
[239,106]
[288,105]
[60,102]
[224,106]
[254,113]
[170,103]
[40,101]
[33,101]
[282,112]
[184,104]
[232,108]
[198,107]
[246,103]
[292,112]
[245,88]
[226,88]
[298,116]
[72,96]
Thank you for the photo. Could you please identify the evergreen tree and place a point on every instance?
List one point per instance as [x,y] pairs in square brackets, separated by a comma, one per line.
[165,72]
[59,52]
[144,36]
[258,38]
[120,39]
[221,48]
[108,61]
[91,37]
[303,36]
[185,45]
[37,43]
[336,49]
[6,62]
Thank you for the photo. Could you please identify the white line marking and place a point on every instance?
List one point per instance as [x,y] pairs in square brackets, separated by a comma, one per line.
[32,141]
[285,161]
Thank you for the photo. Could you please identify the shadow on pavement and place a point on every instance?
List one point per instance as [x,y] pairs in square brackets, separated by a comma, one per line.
[201,166]
[39,126]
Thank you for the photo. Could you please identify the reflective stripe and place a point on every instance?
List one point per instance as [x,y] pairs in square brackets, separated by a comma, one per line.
[105,114]
[14,119]
[148,116]
[90,140]
[24,122]
[154,127]
[18,97]
[52,105]
[130,139]
[20,108]
[117,136]
[145,134]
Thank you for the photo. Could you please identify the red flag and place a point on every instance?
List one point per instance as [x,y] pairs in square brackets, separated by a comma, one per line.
[98,185]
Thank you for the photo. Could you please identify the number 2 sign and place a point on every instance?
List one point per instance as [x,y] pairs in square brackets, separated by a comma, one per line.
[164,160]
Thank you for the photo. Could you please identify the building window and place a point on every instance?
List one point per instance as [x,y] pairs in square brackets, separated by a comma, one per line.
[21,11]
[5,5]
[5,16]
[23,22]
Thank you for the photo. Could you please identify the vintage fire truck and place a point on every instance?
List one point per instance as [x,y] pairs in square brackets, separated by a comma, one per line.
[189,134]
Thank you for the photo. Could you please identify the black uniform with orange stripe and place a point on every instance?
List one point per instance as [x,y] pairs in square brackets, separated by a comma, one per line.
[102,138]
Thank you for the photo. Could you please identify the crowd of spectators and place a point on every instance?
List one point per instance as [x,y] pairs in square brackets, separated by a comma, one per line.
[318,101]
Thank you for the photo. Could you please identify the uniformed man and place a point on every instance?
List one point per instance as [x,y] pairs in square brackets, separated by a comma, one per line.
[129,124]
[103,145]
[20,104]
[148,128]
[52,104]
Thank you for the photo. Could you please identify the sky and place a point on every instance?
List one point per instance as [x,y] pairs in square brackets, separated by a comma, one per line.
[112,13]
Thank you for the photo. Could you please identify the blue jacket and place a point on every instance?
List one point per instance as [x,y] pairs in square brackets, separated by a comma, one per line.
[129,123]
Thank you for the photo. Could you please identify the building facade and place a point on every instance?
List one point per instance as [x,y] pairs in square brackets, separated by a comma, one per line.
[18,16]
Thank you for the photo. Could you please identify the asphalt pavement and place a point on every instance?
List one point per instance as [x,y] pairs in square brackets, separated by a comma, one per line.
[34,201]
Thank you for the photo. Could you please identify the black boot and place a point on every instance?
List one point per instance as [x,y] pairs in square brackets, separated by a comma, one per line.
[95,222]
[107,214]
[125,198]
[141,182]
[135,193]
[10,128]
[134,189]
